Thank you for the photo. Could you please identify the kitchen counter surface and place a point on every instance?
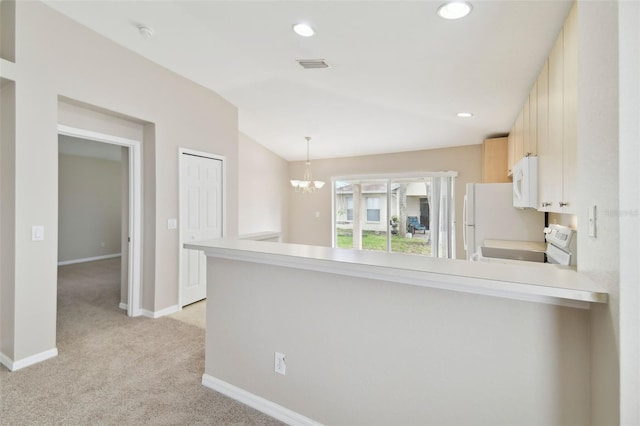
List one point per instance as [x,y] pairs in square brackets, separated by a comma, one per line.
[531,281]
[516,245]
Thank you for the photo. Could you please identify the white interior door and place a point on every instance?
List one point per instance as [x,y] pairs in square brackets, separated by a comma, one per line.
[201,219]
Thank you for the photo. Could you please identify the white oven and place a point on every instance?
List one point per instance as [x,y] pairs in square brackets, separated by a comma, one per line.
[560,248]
[562,245]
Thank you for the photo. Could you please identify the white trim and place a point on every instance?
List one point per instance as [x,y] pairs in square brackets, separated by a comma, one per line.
[135,207]
[89,259]
[223,160]
[254,401]
[162,312]
[8,70]
[411,176]
[26,362]
[123,306]
[6,361]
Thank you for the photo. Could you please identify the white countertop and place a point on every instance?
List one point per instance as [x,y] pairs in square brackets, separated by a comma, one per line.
[516,245]
[536,282]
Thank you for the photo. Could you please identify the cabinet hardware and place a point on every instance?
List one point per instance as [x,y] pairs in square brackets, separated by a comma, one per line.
[546,204]
[563,204]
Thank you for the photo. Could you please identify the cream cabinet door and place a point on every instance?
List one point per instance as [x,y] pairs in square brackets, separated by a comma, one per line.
[511,154]
[550,151]
[518,140]
[570,114]
[531,148]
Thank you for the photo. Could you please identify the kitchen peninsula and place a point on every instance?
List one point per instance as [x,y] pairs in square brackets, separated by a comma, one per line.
[388,338]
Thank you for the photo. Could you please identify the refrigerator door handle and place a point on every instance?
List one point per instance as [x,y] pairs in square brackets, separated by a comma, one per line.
[464,222]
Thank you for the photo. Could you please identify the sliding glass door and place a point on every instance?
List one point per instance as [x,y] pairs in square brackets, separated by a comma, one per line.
[361,215]
[413,215]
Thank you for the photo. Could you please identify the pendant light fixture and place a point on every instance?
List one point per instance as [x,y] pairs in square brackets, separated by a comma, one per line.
[307,184]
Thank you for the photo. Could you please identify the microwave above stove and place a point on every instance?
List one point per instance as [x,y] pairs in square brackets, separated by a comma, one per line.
[525,183]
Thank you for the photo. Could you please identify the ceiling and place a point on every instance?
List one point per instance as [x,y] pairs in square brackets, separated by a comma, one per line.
[398,75]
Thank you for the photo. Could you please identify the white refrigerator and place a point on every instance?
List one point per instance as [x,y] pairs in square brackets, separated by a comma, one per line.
[488,214]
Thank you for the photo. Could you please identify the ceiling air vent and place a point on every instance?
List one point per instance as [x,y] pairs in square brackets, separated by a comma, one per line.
[313,63]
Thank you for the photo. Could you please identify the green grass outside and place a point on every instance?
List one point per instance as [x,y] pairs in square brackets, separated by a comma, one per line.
[373,241]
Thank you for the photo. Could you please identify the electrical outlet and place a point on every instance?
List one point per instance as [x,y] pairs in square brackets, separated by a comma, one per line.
[280,366]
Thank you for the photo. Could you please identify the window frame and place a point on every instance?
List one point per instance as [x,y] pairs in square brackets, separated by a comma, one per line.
[378,209]
[388,179]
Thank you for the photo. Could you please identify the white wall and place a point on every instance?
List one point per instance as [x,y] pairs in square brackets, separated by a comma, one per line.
[263,187]
[89,219]
[64,60]
[629,180]
[363,352]
[597,185]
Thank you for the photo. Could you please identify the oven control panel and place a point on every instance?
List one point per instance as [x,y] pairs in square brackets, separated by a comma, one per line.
[561,245]
[560,236]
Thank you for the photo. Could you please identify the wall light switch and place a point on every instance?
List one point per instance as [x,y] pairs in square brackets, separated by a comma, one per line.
[592,221]
[37,233]
[172,223]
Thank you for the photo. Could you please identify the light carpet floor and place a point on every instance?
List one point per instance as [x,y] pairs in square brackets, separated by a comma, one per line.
[112,369]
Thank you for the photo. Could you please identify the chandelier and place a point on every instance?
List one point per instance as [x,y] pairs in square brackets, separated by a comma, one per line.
[307,184]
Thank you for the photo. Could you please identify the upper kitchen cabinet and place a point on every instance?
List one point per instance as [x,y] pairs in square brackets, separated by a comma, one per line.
[550,148]
[558,151]
[531,144]
[542,116]
[523,138]
[570,123]
[494,160]
[515,142]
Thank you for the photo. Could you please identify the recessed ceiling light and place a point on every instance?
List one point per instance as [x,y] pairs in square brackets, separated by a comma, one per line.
[464,114]
[454,10]
[303,30]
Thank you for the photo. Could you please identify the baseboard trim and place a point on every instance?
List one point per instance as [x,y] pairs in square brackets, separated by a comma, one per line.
[6,361]
[161,313]
[26,362]
[123,306]
[254,401]
[89,259]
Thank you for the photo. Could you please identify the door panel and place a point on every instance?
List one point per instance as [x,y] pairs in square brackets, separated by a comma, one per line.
[201,201]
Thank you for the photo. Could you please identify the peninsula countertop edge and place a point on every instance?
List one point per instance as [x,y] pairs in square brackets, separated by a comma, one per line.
[530,281]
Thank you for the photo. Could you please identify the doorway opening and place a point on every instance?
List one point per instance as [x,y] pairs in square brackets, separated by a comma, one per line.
[130,241]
